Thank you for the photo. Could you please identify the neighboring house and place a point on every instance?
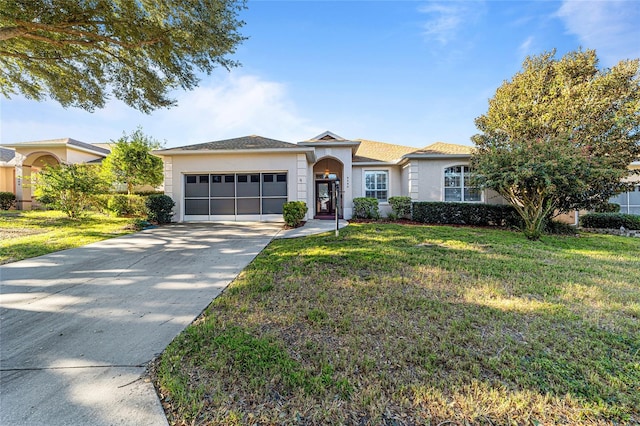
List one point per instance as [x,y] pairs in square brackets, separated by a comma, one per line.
[630,201]
[19,161]
[250,178]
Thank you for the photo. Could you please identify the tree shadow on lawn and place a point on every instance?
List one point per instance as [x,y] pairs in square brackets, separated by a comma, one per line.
[462,329]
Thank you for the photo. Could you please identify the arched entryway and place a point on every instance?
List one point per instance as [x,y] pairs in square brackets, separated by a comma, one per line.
[26,173]
[328,175]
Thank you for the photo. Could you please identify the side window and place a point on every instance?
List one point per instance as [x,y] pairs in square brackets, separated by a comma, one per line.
[457,185]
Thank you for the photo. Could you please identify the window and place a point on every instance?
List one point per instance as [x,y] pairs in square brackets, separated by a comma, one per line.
[629,201]
[457,185]
[376,184]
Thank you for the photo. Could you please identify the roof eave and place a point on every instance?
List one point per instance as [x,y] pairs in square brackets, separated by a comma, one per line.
[310,153]
[375,163]
[56,145]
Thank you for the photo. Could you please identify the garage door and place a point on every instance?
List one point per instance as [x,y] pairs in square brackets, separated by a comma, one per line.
[235,196]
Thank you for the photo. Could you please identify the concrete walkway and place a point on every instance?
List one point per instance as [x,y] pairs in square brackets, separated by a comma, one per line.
[78,327]
[312,227]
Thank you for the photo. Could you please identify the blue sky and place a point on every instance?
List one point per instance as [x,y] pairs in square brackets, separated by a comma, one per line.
[404,72]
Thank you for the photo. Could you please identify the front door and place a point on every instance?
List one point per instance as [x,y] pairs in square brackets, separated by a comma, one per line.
[324,199]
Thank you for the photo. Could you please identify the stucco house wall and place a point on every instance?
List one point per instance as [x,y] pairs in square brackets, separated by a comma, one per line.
[177,166]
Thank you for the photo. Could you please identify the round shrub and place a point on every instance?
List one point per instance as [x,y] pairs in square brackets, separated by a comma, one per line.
[365,208]
[293,212]
[159,208]
[7,200]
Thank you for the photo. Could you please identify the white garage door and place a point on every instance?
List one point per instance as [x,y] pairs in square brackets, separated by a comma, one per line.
[235,196]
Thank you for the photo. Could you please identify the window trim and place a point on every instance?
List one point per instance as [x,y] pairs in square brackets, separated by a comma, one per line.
[462,181]
[364,183]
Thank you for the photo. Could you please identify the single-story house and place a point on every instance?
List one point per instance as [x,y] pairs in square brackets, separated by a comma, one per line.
[19,160]
[251,177]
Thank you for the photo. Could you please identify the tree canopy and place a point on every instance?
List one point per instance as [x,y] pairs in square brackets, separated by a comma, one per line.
[69,187]
[131,162]
[560,135]
[79,52]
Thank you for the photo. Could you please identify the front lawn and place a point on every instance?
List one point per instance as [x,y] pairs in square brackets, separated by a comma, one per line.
[401,325]
[25,234]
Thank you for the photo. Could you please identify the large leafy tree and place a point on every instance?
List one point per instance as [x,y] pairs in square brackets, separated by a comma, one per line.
[78,52]
[69,187]
[560,135]
[131,162]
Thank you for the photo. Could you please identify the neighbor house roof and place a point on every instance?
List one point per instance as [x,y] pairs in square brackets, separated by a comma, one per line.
[369,151]
[7,156]
[83,146]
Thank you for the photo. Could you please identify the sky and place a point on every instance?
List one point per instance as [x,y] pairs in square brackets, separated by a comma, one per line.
[404,72]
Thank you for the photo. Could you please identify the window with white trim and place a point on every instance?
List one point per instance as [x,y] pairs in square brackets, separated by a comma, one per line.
[457,185]
[376,184]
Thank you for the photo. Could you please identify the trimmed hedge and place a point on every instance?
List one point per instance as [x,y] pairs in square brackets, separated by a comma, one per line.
[7,200]
[293,212]
[444,213]
[610,221]
[365,208]
[159,208]
[401,206]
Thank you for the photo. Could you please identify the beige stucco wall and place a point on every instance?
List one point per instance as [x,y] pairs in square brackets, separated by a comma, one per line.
[76,156]
[395,184]
[177,166]
[7,179]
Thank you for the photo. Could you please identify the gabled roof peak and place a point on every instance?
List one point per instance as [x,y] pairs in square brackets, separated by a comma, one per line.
[327,136]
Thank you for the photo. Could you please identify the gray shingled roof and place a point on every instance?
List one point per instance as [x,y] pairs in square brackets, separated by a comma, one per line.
[67,141]
[6,155]
[245,142]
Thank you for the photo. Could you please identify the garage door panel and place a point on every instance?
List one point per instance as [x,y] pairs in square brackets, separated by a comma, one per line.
[248,205]
[196,207]
[223,206]
[223,186]
[272,205]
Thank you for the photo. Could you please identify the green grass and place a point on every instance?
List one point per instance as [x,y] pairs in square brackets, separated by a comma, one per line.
[390,324]
[25,234]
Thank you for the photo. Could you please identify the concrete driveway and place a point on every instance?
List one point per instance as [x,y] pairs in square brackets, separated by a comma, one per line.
[78,327]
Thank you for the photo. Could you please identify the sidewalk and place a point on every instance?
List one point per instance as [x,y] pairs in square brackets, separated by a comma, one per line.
[312,227]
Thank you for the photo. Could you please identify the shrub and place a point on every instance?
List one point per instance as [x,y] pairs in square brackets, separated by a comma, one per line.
[559,228]
[126,205]
[465,214]
[293,212]
[100,202]
[365,208]
[7,200]
[610,221]
[159,208]
[608,208]
[401,206]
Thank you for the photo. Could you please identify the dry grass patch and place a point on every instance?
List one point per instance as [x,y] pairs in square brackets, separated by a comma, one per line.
[416,325]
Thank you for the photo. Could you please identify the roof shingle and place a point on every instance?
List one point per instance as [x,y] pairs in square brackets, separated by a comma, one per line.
[241,143]
[380,151]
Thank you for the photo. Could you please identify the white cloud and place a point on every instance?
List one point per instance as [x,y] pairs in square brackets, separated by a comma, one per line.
[238,106]
[525,47]
[610,27]
[448,19]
